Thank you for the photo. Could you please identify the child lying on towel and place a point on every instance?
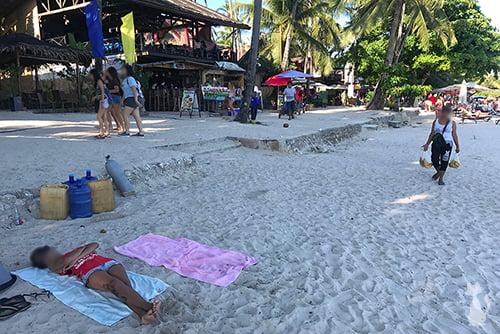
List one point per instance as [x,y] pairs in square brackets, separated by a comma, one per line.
[96,272]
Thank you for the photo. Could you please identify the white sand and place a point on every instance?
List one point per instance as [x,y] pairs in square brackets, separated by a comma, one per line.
[358,240]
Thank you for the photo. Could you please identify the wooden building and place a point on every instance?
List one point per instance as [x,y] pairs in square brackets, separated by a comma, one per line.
[173,37]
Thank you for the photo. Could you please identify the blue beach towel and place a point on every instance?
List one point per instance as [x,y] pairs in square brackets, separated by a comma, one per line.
[74,294]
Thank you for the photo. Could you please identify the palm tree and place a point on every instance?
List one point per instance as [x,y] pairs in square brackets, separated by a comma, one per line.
[306,27]
[242,116]
[235,10]
[419,17]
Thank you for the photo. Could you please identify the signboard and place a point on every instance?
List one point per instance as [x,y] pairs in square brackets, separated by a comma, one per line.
[189,102]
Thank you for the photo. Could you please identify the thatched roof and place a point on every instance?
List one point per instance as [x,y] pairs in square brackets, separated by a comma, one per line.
[189,9]
[8,6]
[33,51]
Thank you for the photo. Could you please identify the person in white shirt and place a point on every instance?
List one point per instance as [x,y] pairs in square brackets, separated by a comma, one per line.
[443,135]
[289,93]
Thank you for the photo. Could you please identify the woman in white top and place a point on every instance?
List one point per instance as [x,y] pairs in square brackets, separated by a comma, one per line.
[443,135]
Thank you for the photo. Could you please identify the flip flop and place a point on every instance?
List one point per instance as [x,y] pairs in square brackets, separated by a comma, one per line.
[8,311]
[12,300]
[139,134]
[441,183]
[435,176]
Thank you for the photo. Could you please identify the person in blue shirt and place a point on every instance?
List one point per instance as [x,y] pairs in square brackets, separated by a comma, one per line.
[132,101]
[254,105]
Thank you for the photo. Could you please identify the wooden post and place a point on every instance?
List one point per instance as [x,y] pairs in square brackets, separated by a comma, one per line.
[78,91]
[18,72]
[37,79]
[99,61]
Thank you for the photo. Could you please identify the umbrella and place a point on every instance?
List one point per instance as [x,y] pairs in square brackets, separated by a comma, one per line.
[476,87]
[470,86]
[282,79]
[463,93]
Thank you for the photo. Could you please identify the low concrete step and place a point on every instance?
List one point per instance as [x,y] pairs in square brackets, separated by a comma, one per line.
[395,124]
[370,127]
[204,147]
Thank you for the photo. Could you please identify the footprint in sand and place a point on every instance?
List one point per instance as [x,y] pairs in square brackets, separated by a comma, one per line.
[478,310]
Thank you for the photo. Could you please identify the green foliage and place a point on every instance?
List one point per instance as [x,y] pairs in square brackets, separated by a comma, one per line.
[489,93]
[13,80]
[477,52]
[87,89]
[368,96]
[491,81]
[142,76]
[474,54]
[315,31]
[408,92]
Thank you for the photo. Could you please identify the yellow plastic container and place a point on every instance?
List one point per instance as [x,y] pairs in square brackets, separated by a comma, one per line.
[54,201]
[103,196]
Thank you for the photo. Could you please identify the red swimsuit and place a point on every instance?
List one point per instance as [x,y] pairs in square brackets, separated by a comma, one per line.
[85,264]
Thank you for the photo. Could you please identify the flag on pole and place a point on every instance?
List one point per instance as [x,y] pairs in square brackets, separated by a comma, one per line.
[128,38]
[94,27]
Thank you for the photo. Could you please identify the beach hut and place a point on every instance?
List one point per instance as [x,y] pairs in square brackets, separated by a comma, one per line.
[22,50]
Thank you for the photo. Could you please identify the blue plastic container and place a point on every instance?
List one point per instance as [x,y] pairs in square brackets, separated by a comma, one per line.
[80,200]
[71,181]
[88,177]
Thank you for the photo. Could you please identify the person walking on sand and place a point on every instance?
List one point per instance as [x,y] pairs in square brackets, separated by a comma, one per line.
[289,93]
[443,135]
[113,84]
[101,100]
[230,97]
[439,106]
[98,273]
[131,102]
[343,98]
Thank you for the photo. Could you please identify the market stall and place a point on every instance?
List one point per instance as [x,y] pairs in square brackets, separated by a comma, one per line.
[214,98]
[283,79]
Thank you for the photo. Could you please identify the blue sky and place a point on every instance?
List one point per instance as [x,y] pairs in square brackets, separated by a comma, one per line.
[490,7]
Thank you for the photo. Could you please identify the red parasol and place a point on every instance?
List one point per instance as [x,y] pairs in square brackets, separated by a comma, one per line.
[284,78]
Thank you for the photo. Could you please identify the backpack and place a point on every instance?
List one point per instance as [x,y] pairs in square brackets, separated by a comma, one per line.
[137,86]
[438,142]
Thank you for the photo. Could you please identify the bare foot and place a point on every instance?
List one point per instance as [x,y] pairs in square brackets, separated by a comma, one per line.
[156,307]
[148,318]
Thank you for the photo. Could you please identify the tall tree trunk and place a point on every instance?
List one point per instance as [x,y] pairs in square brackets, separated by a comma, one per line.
[242,116]
[288,43]
[308,68]
[401,43]
[378,99]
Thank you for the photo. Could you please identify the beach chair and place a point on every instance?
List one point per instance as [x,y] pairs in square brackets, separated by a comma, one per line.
[42,103]
[60,99]
[476,117]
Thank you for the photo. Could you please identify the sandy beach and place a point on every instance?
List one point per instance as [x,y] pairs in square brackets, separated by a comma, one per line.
[357,239]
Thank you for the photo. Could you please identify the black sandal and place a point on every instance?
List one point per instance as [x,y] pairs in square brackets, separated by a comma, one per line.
[12,300]
[8,311]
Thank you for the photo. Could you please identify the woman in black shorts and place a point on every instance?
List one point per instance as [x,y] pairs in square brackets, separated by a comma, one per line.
[131,101]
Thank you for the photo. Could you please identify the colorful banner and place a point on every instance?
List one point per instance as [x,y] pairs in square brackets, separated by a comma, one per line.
[128,38]
[94,27]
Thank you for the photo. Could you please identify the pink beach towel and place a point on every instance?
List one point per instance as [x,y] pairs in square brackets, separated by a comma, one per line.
[189,258]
